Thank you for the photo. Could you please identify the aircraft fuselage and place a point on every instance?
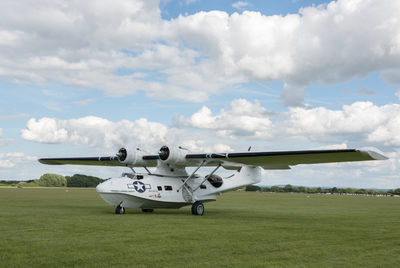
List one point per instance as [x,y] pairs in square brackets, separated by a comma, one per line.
[149,191]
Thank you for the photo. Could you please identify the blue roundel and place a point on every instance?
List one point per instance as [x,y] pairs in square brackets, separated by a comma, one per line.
[139,186]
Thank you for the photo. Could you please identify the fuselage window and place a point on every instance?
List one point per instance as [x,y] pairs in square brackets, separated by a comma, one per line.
[203,186]
[159,188]
[167,188]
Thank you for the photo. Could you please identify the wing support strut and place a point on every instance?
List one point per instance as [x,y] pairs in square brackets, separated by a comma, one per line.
[148,171]
[206,177]
[191,175]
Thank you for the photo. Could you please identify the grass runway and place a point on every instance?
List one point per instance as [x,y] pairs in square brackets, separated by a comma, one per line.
[54,227]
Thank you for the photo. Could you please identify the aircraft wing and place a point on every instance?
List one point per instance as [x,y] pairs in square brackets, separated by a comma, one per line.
[96,161]
[266,160]
[285,159]
[90,161]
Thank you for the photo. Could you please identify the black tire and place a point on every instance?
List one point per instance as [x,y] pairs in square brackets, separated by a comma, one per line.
[119,210]
[198,208]
[147,210]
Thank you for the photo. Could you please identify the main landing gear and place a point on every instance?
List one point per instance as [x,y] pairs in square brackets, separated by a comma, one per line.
[198,208]
[119,210]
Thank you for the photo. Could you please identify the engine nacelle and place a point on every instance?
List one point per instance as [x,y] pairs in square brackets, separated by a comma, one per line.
[172,156]
[215,180]
[131,158]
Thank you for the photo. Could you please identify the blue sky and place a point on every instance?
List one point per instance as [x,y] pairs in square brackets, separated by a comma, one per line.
[84,79]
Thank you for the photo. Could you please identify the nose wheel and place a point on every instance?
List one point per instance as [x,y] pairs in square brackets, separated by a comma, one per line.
[198,208]
[119,210]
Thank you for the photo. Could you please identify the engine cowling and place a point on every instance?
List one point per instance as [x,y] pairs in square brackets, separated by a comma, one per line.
[131,158]
[172,156]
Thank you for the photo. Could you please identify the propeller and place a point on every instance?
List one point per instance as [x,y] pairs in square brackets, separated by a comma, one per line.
[164,153]
[122,154]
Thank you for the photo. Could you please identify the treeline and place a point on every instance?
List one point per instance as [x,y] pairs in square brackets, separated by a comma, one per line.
[12,183]
[318,190]
[79,180]
[55,180]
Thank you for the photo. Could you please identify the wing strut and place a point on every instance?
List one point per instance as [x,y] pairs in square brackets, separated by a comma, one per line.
[206,177]
[148,171]
[191,175]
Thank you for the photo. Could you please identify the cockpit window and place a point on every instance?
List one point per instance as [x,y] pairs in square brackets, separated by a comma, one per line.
[129,175]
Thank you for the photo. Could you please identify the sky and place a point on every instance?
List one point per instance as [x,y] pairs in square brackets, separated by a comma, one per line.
[85,78]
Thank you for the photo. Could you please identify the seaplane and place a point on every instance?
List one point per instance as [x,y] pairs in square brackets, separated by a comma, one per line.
[169,185]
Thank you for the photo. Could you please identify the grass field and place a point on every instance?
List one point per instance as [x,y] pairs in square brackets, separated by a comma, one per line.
[74,227]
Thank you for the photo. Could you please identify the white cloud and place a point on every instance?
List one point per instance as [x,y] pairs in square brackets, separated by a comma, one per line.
[85,101]
[105,135]
[398,94]
[239,5]
[14,116]
[361,123]
[201,146]
[84,44]
[96,131]
[44,130]
[292,96]
[357,125]
[358,122]
[243,119]
[10,160]
[332,147]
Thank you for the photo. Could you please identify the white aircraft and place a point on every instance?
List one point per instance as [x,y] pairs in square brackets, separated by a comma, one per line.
[170,186]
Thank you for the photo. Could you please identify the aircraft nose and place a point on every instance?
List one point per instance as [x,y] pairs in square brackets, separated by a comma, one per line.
[100,188]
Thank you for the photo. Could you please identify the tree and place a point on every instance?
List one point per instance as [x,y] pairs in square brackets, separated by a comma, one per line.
[252,188]
[396,191]
[53,180]
[79,180]
[302,189]
[288,188]
[276,189]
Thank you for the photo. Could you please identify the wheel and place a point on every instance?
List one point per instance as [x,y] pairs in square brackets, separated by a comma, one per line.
[147,210]
[119,210]
[198,208]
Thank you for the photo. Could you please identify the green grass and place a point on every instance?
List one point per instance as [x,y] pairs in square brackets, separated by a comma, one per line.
[73,227]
